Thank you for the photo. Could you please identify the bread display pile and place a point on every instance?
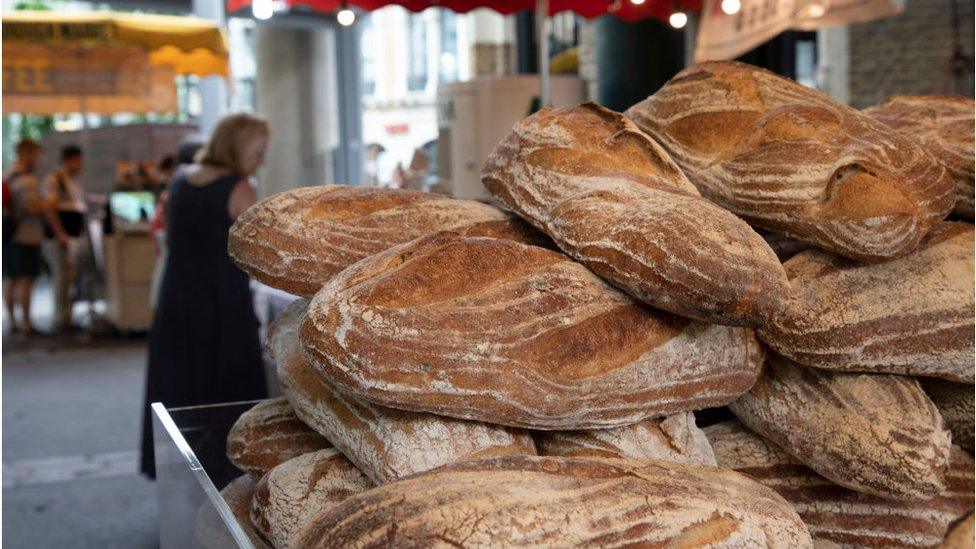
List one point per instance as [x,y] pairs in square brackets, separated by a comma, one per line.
[463,376]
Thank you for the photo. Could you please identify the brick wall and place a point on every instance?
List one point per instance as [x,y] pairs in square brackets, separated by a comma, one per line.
[909,53]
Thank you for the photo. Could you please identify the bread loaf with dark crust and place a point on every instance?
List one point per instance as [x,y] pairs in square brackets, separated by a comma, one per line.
[562,502]
[611,198]
[955,404]
[835,514]
[300,488]
[960,536]
[497,331]
[298,239]
[874,433]
[383,443]
[210,532]
[944,124]
[913,315]
[269,434]
[792,160]
[672,438]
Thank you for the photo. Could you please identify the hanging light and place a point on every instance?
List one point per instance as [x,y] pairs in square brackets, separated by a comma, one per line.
[731,7]
[346,17]
[678,19]
[262,9]
[636,2]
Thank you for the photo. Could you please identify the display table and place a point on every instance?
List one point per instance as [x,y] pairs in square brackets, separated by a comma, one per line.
[191,469]
[129,260]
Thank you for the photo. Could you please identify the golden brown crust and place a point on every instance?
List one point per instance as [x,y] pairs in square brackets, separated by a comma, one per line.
[560,502]
[792,160]
[269,434]
[961,535]
[611,198]
[497,331]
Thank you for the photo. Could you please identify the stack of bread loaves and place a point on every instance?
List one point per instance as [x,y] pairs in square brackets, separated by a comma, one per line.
[465,376]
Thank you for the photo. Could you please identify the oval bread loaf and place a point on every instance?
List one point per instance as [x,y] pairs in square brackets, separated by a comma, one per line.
[562,502]
[384,443]
[269,434]
[611,198]
[910,316]
[835,514]
[498,331]
[874,433]
[298,239]
[790,159]
[955,404]
[210,532]
[672,438]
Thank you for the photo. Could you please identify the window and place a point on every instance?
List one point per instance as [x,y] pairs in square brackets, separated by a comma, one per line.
[368,42]
[417,52]
[448,69]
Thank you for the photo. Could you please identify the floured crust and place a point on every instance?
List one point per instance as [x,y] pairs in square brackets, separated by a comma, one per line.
[269,434]
[612,199]
[385,444]
[874,433]
[298,239]
[672,438]
[792,160]
[910,316]
[497,331]
[561,502]
[210,532]
[943,123]
[300,488]
[835,514]
[955,404]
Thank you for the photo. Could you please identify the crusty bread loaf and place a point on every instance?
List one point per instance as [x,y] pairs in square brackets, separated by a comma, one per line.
[298,239]
[210,532]
[562,502]
[874,433]
[299,489]
[494,330]
[955,404]
[268,434]
[672,438]
[911,316]
[835,514]
[792,160]
[384,443]
[611,198]
[943,123]
[961,535]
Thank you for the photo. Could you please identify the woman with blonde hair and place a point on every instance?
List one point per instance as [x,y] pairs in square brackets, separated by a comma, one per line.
[204,347]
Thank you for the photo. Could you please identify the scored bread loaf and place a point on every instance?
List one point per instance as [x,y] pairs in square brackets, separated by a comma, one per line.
[298,239]
[562,502]
[494,330]
[611,198]
[955,404]
[268,434]
[961,535]
[300,488]
[910,316]
[874,433]
[210,532]
[792,160]
[384,443]
[672,438]
[944,124]
[836,514]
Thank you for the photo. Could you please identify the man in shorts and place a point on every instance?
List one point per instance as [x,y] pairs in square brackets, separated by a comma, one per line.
[22,248]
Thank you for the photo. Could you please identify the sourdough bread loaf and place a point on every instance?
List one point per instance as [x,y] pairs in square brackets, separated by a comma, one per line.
[910,316]
[792,160]
[672,438]
[562,502]
[210,532]
[298,239]
[874,433]
[300,488]
[944,124]
[955,404]
[268,434]
[835,514]
[961,535]
[611,198]
[497,331]
[385,444]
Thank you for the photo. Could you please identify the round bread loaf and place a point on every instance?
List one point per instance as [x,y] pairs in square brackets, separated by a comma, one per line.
[210,532]
[955,404]
[910,316]
[268,434]
[298,239]
[300,488]
[672,438]
[874,433]
[497,331]
[385,444]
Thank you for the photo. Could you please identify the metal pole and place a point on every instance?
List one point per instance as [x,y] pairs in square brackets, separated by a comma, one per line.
[542,24]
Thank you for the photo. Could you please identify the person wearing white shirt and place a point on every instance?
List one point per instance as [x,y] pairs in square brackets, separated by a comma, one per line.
[65,199]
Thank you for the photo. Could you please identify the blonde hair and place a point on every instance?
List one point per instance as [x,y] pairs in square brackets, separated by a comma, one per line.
[225,148]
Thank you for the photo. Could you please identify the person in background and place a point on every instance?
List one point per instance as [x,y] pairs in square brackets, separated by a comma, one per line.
[204,347]
[64,197]
[23,233]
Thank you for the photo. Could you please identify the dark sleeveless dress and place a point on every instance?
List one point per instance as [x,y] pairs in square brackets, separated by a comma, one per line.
[204,347]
